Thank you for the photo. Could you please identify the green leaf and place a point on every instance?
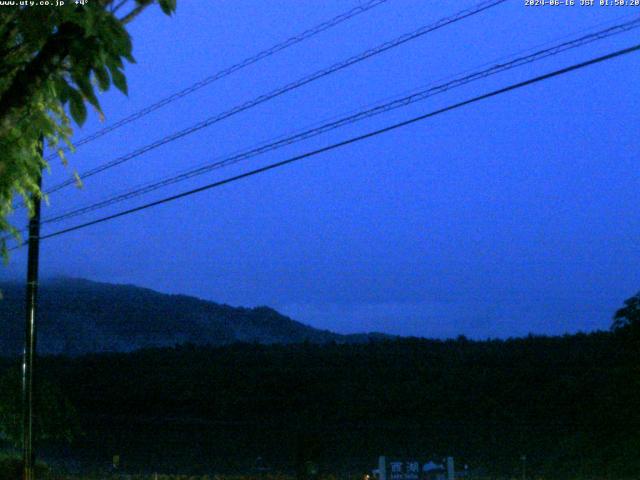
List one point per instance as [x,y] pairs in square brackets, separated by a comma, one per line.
[62,156]
[62,88]
[129,58]
[127,46]
[103,77]
[122,42]
[77,180]
[113,61]
[168,6]
[77,107]
[119,80]
[82,80]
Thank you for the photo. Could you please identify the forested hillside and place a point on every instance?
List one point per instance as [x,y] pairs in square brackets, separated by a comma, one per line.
[569,403]
[80,316]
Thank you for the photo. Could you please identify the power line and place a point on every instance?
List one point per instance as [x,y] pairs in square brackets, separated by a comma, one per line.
[229,70]
[149,186]
[349,141]
[218,76]
[416,96]
[480,7]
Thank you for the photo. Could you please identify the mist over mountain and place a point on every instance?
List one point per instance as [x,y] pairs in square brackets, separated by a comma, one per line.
[78,316]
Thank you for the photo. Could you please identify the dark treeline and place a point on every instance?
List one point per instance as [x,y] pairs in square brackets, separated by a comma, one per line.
[571,404]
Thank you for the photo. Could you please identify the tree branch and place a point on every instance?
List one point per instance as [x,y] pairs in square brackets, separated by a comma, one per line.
[136,11]
[117,7]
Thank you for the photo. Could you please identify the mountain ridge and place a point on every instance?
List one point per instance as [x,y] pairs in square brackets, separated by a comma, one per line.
[78,316]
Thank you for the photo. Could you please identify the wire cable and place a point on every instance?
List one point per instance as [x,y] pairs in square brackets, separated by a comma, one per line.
[478,8]
[229,70]
[344,143]
[414,97]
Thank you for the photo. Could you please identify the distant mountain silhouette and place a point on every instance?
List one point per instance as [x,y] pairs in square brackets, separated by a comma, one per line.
[79,316]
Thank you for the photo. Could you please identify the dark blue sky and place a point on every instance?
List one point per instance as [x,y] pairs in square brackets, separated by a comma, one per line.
[515,215]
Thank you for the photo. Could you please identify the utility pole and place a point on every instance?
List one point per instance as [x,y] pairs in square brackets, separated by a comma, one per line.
[28,456]
[524,467]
